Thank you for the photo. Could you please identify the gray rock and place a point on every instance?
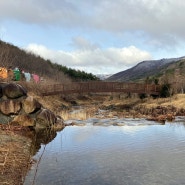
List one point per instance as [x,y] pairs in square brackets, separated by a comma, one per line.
[13,90]
[45,119]
[4,119]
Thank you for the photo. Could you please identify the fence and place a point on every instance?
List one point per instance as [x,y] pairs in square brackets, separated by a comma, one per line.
[98,87]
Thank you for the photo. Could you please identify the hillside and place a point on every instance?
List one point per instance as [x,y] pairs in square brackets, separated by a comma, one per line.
[146,69]
[12,56]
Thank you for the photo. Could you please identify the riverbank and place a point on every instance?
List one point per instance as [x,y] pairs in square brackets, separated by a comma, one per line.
[22,121]
[15,155]
[16,146]
[119,105]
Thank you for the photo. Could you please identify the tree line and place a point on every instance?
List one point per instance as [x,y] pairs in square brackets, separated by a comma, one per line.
[75,74]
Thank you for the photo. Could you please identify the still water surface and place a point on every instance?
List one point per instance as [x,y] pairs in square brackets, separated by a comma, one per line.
[134,154]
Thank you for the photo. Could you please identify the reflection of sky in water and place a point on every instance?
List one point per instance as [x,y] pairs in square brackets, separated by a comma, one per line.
[133,155]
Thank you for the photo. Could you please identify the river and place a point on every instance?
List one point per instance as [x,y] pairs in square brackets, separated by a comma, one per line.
[138,152]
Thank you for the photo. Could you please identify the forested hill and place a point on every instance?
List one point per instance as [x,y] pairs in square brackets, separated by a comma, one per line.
[12,56]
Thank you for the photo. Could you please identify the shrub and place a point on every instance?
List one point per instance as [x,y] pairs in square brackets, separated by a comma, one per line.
[165,91]
[142,96]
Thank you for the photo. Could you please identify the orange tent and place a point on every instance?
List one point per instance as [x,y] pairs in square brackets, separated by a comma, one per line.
[3,73]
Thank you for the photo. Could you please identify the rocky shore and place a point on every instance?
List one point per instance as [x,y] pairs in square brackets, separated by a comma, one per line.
[25,124]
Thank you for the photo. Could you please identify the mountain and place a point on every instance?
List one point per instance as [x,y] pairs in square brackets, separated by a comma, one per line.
[145,69]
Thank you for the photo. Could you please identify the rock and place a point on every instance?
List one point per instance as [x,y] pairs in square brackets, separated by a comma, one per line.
[24,120]
[30,105]
[8,107]
[4,119]
[13,90]
[59,125]
[45,119]
[16,107]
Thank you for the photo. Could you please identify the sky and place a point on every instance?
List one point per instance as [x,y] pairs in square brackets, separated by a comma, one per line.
[97,36]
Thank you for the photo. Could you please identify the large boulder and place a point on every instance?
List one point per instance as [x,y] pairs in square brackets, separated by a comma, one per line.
[8,107]
[45,119]
[24,120]
[30,105]
[13,90]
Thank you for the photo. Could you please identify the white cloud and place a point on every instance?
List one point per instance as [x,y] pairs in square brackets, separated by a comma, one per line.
[153,24]
[94,60]
[161,20]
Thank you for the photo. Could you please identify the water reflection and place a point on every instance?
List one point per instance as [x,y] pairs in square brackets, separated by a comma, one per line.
[43,137]
[17,146]
[77,112]
[134,154]
[40,138]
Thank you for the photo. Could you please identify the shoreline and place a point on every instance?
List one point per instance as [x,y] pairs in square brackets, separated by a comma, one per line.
[17,142]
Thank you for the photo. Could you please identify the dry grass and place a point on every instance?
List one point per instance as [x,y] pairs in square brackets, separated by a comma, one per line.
[14,157]
[55,103]
[177,101]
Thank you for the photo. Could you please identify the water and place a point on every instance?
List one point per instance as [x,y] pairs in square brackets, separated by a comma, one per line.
[133,154]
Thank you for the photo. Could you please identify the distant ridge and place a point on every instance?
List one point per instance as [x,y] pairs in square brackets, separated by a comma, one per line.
[144,69]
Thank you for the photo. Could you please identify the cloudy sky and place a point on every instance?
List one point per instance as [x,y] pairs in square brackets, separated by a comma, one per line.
[98,36]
